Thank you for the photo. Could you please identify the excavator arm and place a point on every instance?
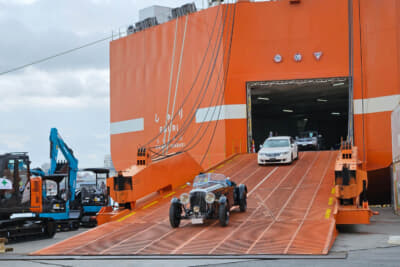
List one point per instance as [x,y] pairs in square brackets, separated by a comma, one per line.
[57,143]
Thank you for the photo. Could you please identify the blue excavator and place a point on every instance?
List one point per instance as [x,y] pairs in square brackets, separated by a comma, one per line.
[59,186]
[33,202]
[68,205]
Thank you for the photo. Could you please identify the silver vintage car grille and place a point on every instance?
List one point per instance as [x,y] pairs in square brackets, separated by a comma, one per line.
[198,199]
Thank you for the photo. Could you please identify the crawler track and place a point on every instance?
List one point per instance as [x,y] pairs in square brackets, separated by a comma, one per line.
[290,211]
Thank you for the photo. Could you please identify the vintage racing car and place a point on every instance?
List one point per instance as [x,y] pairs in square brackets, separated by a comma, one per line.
[212,197]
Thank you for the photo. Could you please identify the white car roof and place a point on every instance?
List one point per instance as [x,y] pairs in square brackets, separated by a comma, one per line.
[279,137]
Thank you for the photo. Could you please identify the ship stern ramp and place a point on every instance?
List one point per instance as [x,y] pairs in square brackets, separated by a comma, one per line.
[290,210]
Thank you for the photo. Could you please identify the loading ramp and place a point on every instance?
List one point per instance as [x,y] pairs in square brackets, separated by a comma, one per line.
[290,211]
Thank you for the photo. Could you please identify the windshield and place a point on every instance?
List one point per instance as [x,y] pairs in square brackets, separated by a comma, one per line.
[205,178]
[308,134]
[276,143]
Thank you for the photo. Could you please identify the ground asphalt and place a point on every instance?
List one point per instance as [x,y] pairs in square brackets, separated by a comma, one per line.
[377,244]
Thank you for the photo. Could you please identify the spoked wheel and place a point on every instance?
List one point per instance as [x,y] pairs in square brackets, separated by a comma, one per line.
[223,214]
[175,215]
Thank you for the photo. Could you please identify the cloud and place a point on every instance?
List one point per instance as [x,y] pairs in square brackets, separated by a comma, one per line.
[69,92]
[12,142]
[35,88]
[23,46]
[48,27]
[18,2]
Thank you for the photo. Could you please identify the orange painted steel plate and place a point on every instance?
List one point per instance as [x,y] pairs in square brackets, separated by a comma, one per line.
[290,211]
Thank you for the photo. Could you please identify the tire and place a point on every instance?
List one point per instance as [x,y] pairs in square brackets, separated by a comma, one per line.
[223,214]
[175,215]
[75,225]
[243,201]
[51,229]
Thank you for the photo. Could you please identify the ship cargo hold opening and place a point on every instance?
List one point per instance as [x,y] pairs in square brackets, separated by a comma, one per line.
[294,107]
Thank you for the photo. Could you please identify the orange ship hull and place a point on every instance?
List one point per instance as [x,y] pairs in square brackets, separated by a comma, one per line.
[183,85]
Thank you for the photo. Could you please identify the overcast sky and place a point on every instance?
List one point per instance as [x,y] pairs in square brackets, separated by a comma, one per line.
[70,92]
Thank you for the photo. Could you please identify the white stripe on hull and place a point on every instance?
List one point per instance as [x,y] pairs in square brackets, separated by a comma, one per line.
[224,112]
[376,104]
[135,125]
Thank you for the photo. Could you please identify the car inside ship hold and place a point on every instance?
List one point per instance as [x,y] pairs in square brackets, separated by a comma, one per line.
[303,109]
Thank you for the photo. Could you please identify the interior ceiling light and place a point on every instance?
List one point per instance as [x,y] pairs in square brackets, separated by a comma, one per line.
[322,100]
[335,113]
[287,110]
[263,98]
[338,84]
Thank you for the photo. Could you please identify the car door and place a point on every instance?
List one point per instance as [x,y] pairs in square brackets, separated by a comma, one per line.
[293,148]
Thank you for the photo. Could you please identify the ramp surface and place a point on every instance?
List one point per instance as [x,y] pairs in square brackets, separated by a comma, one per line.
[290,211]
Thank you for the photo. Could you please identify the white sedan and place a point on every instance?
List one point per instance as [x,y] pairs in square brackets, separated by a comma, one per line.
[278,149]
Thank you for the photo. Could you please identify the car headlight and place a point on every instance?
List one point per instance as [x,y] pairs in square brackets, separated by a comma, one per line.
[184,198]
[210,197]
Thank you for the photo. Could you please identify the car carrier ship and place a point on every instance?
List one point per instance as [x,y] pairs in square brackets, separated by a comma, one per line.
[200,91]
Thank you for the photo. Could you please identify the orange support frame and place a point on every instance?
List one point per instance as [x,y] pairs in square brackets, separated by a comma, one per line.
[350,185]
[140,181]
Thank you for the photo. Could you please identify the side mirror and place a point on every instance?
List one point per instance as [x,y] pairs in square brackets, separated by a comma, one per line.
[260,146]
[188,184]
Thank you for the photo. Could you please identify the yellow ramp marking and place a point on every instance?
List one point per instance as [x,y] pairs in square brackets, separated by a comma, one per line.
[220,166]
[333,191]
[149,205]
[328,213]
[126,216]
[330,201]
[170,194]
[183,186]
